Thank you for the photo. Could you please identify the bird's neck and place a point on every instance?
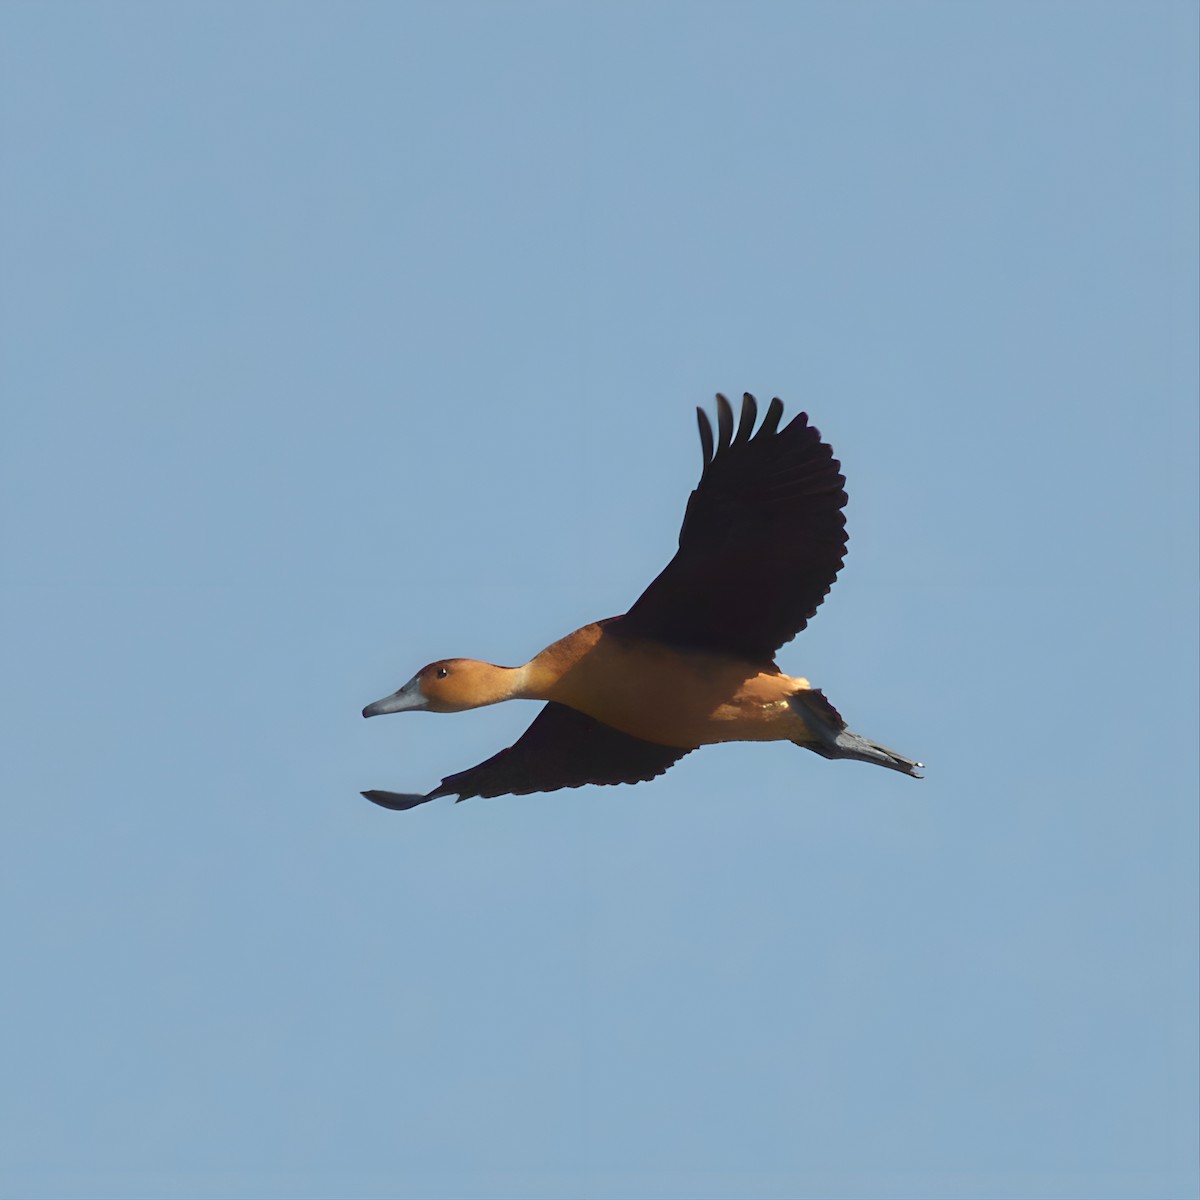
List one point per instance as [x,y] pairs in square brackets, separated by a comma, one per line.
[542,678]
[490,684]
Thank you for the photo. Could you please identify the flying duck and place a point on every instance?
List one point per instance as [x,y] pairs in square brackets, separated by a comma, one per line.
[693,661]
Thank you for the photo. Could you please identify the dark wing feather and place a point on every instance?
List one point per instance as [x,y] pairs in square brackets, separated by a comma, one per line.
[561,749]
[762,541]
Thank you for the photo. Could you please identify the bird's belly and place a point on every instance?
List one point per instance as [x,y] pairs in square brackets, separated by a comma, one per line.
[676,697]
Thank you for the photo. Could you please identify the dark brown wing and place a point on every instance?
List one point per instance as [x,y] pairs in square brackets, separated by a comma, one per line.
[562,748]
[762,541]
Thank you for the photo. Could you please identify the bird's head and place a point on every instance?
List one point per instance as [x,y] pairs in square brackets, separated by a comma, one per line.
[448,685]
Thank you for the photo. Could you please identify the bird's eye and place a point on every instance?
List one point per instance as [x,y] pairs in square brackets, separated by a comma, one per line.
[442,672]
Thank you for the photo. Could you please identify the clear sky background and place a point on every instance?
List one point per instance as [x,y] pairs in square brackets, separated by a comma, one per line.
[339,338]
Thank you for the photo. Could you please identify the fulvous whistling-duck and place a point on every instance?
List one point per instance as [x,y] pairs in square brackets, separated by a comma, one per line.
[693,661]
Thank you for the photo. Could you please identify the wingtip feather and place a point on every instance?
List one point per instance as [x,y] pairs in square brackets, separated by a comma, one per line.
[724,422]
[396,801]
[746,422]
[706,435]
[771,420]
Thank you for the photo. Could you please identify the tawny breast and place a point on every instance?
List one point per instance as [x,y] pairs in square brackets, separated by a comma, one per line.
[672,696]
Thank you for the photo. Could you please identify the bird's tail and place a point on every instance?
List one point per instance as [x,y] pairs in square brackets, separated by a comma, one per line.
[831,739]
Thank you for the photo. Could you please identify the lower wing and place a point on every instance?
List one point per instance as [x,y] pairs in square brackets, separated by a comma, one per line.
[561,749]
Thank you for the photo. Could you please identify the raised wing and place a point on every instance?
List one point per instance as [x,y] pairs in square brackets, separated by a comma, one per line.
[561,749]
[762,541]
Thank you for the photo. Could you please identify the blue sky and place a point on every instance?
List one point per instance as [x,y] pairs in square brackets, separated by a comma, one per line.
[340,338]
